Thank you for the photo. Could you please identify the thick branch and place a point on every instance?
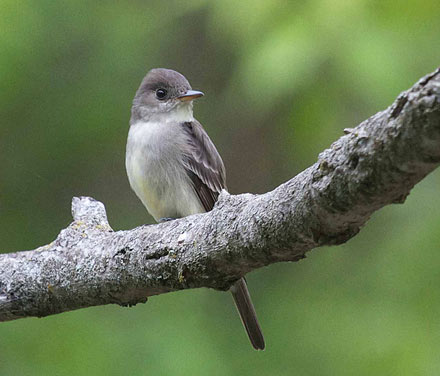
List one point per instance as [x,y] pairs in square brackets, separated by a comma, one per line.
[375,164]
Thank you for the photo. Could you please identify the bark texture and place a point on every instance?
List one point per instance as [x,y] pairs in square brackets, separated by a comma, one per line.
[373,165]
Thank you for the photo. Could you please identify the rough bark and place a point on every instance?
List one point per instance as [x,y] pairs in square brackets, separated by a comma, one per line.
[375,164]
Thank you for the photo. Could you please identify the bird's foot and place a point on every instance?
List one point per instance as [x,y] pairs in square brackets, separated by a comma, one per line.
[162,220]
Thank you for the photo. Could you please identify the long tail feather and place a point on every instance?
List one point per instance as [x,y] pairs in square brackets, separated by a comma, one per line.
[246,309]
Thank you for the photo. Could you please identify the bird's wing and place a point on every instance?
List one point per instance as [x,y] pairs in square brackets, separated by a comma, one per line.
[203,164]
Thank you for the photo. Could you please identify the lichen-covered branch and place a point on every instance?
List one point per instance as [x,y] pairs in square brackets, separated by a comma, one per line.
[375,164]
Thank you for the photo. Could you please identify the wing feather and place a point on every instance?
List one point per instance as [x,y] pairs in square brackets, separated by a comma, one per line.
[203,164]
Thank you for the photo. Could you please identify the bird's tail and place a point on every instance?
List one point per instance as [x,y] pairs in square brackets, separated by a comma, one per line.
[246,309]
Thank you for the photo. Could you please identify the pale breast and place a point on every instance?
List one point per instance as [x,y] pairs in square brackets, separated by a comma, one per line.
[155,170]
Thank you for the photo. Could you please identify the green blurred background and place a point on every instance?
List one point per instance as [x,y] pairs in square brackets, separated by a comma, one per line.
[281,81]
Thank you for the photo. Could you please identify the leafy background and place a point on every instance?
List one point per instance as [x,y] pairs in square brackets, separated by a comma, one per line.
[281,81]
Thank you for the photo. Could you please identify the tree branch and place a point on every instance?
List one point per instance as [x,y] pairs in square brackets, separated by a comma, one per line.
[375,164]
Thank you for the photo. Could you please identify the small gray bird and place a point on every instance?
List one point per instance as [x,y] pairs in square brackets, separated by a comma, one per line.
[173,166]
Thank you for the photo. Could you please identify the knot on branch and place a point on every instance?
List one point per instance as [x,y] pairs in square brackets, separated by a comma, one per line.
[90,211]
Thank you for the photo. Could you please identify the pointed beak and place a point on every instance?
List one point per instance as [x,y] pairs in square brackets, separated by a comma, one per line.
[190,95]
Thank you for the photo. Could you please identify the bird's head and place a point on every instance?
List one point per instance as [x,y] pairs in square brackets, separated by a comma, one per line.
[166,94]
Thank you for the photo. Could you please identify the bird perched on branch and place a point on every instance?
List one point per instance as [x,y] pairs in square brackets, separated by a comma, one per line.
[174,167]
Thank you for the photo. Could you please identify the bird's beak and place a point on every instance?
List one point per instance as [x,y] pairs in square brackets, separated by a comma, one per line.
[190,95]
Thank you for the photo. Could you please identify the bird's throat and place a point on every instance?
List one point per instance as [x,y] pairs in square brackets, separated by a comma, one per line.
[181,113]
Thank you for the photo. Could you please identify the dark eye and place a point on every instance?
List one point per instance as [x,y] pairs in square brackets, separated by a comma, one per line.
[161,93]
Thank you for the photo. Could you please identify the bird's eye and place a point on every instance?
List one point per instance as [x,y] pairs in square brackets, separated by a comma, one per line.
[161,93]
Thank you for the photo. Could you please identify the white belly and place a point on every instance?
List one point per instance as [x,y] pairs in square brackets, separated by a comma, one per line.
[156,172]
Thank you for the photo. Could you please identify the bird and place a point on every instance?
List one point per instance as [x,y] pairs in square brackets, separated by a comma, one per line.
[173,166]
